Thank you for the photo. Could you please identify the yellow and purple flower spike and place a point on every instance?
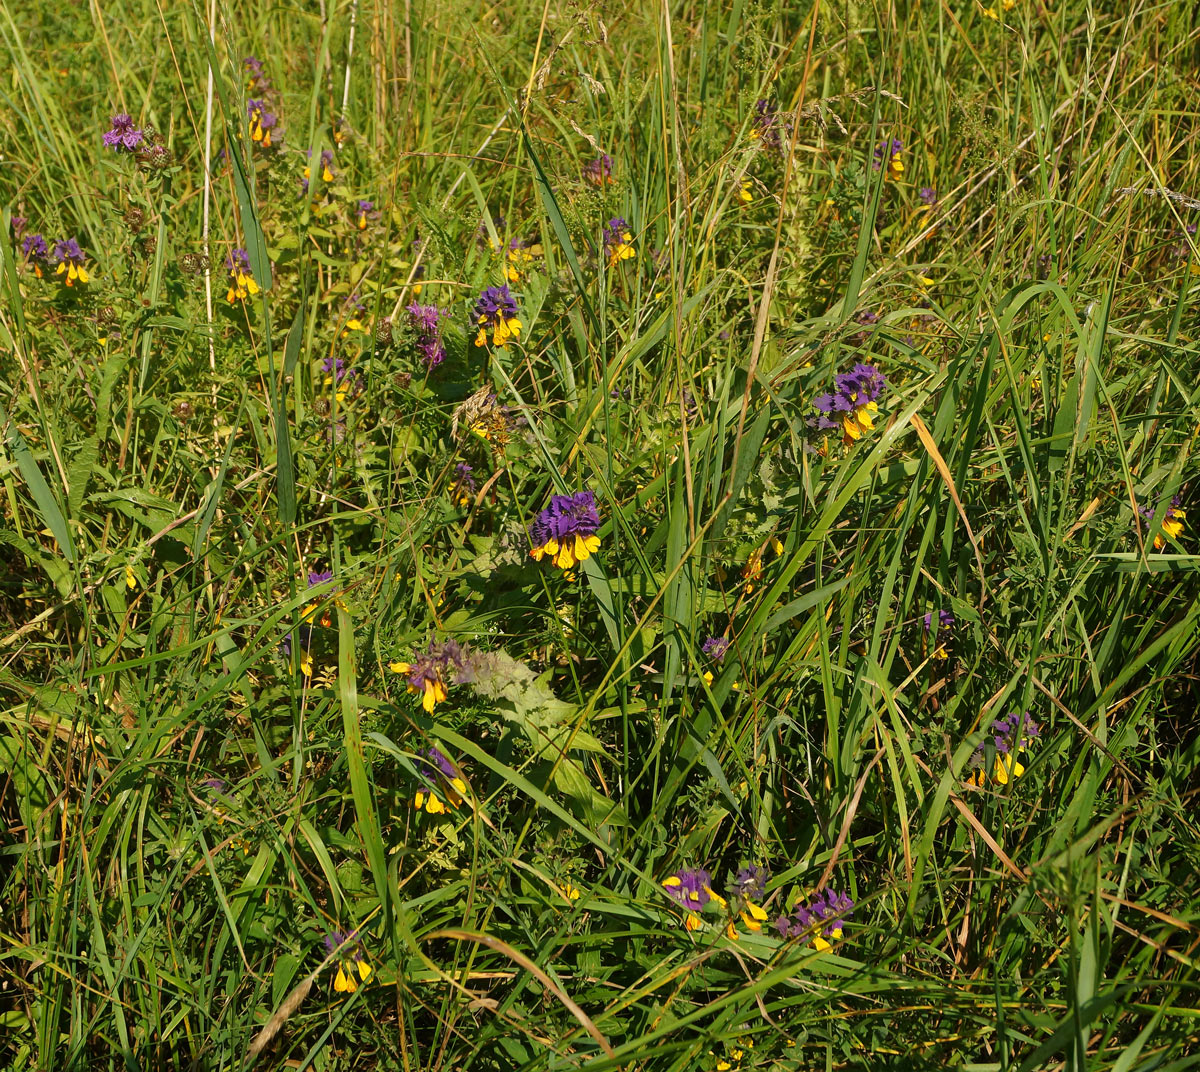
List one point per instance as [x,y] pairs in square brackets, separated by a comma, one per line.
[817,920]
[691,889]
[618,241]
[241,281]
[444,788]
[496,311]
[768,129]
[852,406]
[37,254]
[1172,524]
[326,169]
[749,887]
[942,634]
[262,122]
[599,171]
[353,968]
[566,530]
[365,211]
[715,648]
[71,261]
[252,68]
[123,136]
[435,669]
[1011,735]
[887,155]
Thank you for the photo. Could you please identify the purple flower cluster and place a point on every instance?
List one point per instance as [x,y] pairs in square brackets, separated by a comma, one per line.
[426,321]
[567,516]
[262,122]
[690,887]
[464,484]
[825,915]
[316,577]
[124,136]
[255,79]
[945,622]
[599,171]
[35,249]
[854,391]
[750,883]
[494,305]
[928,195]
[1014,732]
[768,129]
[715,648]
[886,151]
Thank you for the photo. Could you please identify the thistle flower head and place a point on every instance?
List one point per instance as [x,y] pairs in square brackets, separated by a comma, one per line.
[426,321]
[123,135]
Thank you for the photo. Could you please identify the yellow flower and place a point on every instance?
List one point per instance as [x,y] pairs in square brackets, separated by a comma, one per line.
[241,286]
[306,664]
[708,678]
[75,272]
[858,421]
[744,193]
[347,969]
[501,333]
[990,13]
[1007,767]
[570,891]
[570,551]
[130,579]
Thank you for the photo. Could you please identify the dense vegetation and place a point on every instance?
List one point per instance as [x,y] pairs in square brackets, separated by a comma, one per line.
[545,536]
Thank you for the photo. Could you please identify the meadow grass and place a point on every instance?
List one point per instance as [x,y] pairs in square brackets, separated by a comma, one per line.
[267,537]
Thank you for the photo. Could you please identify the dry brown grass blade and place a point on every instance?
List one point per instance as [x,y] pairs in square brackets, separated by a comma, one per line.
[940,462]
[503,947]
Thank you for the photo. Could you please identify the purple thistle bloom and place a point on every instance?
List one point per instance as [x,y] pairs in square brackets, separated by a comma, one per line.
[34,247]
[427,323]
[599,171]
[316,577]
[928,195]
[715,648]
[124,136]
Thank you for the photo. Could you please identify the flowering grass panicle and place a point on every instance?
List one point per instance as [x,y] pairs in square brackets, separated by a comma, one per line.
[496,310]
[1011,735]
[241,280]
[618,241]
[444,789]
[566,529]
[852,406]
[123,136]
[71,261]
